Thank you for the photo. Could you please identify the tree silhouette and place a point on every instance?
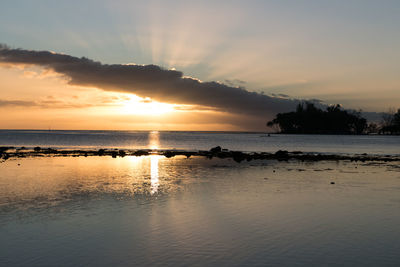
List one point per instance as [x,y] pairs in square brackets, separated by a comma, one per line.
[308,119]
[391,123]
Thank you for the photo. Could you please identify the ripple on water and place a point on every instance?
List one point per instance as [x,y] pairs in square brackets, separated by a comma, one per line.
[178,211]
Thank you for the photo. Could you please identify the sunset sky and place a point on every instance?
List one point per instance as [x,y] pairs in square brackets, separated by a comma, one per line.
[192,65]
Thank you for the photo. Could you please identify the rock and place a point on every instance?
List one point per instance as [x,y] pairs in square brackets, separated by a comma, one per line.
[187,154]
[50,151]
[5,148]
[169,154]
[238,156]
[216,149]
[282,154]
[141,153]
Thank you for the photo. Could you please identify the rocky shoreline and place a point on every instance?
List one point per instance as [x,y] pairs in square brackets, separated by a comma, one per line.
[218,152]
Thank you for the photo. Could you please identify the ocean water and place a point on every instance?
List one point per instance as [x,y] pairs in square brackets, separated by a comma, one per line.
[155,211]
[252,142]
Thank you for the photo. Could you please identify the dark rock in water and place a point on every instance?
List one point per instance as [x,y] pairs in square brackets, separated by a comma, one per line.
[5,148]
[281,154]
[101,152]
[238,156]
[141,153]
[216,149]
[50,151]
[332,182]
[169,154]
[222,155]
[187,154]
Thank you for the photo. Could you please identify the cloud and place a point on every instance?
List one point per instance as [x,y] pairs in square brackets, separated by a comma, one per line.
[235,83]
[51,104]
[151,81]
[17,103]
[280,95]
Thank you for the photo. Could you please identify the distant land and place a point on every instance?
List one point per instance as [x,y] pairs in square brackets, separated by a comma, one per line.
[309,119]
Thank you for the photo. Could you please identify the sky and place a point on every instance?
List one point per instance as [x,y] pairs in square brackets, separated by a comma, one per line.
[192,65]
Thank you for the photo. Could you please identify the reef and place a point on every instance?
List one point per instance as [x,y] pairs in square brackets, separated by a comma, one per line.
[215,152]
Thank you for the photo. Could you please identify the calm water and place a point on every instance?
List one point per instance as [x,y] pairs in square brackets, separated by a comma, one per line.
[256,142]
[99,211]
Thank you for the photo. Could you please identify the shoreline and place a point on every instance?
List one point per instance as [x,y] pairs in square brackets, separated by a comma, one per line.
[217,152]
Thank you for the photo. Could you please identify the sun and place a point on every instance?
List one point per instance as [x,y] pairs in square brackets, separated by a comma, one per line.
[145,106]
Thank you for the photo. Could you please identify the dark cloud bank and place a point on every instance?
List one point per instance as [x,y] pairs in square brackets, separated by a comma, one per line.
[152,81]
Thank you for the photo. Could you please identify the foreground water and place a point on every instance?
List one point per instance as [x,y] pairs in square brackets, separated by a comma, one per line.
[253,142]
[99,211]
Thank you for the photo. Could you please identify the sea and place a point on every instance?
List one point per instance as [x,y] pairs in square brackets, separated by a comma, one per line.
[158,211]
[240,141]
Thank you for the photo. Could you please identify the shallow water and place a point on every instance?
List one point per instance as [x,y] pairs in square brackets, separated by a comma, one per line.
[254,142]
[152,210]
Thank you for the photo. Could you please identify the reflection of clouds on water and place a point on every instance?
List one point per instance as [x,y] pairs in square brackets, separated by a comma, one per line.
[154,140]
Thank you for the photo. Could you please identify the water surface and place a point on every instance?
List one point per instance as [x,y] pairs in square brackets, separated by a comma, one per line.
[99,211]
[252,142]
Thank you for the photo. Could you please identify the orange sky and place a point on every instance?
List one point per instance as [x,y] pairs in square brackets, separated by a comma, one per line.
[338,52]
[44,100]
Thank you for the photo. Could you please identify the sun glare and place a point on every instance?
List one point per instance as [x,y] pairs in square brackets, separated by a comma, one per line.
[144,106]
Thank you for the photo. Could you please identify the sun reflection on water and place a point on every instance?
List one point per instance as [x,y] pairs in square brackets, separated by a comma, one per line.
[154,143]
[154,174]
[154,140]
